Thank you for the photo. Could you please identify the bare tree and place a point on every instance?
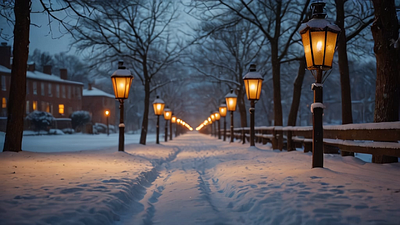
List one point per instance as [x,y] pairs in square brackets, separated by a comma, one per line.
[15,119]
[138,32]
[226,55]
[351,23]
[385,30]
[278,21]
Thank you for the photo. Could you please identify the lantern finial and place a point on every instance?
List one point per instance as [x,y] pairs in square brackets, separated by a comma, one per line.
[253,68]
[318,9]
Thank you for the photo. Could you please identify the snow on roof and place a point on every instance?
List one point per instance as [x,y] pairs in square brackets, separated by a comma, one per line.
[41,76]
[96,92]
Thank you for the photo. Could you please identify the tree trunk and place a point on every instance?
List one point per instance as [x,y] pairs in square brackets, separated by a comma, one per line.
[145,122]
[16,102]
[276,77]
[297,93]
[385,32]
[347,116]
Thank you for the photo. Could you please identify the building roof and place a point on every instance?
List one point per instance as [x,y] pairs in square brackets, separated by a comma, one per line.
[41,76]
[96,92]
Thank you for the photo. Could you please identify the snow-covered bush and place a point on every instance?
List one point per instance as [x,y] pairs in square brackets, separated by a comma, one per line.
[80,118]
[41,120]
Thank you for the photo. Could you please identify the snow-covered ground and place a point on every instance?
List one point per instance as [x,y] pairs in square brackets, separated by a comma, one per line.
[195,179]
[74,142]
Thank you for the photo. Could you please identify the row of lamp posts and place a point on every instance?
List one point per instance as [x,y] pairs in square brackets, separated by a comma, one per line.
[158,106]
[253,83]
[319,41]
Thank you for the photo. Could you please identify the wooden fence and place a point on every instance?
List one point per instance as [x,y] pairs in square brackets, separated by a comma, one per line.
[382,140]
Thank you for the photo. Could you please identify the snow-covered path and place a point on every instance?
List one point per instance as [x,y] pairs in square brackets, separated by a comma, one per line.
[214,182]
[194,179]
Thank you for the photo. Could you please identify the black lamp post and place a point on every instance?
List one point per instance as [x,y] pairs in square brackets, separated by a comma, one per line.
[253,83]
[167,117]
[211,127]
[222,112]
[231,99]
[158,106]
[319,41]
[173,120]
[107,112]
[121,80]
[212,116]
[217,117]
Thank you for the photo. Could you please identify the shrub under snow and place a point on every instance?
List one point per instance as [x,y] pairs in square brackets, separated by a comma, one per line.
[80,118]
[41,120]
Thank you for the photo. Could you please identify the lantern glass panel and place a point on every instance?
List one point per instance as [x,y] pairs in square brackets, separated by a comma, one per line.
[217,116]
[222,111]
[253,88]
[212,117]
[173,119]
[307,50]
[158,108]
[167,115]
[121,86]
[231,103]
[330,47]
[318,46]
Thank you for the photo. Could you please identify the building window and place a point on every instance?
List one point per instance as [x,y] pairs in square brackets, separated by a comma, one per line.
[43,106]
[61,108]
[47,107]
[78,92]
[62,91]
[49,90]
[27,107]
[57,91]
[34,105]
[34,87]
[69,92]
[70,110]
[3,83]
[4,103]
[42,88]
[51,109]
[27,87]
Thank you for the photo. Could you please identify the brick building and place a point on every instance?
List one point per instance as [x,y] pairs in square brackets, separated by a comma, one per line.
[53,94]
[44,92]
[97,102]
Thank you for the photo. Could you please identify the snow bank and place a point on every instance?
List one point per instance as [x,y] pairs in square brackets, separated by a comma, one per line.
[89,187]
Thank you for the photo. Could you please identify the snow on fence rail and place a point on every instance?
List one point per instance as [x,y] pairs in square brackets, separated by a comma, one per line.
[382,140]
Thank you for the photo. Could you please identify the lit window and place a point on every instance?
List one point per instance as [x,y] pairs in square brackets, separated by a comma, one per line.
[49,90]
[42,88]
[27,107]
[3,83]
[62,91]
[61,108]
[34,105]
[47,107]
[34,87]
[57,91]
[4,103]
